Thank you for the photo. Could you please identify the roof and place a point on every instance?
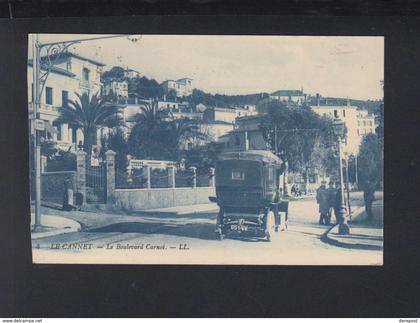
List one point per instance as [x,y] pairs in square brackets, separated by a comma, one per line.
[255,155]
[333,107]
[70,54]
[56,69]
[288,93]
[222,109]
[220,122]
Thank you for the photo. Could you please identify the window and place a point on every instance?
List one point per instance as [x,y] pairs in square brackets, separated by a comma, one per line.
[344,113]
[335,114]
[64,98]
[48,95]
[58,127]
[32,92]
[86,74]
[238,174]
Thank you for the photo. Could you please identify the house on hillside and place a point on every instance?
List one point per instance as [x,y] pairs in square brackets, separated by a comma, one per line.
[212,114]
[245,110]
[116,88]
[182,87]
[131,74]
[289,96]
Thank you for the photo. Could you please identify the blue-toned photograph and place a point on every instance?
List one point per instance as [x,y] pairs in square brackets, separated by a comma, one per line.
[206,149]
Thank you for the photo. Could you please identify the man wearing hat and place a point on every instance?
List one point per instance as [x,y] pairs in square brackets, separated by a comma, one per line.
[322,198]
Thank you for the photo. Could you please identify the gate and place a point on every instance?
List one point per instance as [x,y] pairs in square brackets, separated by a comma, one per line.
[96,184]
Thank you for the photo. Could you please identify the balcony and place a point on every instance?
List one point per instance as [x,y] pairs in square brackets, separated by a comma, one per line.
[46,109]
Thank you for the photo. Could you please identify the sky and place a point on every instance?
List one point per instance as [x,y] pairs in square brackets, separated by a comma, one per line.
[335,66]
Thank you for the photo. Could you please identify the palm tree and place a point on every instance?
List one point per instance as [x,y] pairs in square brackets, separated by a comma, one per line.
[156,136]
[89,114]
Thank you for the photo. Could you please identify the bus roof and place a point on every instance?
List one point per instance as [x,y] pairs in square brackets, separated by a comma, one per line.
[254,155]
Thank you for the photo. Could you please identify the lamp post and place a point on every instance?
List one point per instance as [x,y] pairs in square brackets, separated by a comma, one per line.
[339,131]
[348,184]
[53,52]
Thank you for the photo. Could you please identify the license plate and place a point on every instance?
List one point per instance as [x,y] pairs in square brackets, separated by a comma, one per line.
[236,227]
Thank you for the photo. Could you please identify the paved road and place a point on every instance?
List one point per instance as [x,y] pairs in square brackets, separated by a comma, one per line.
[190,239]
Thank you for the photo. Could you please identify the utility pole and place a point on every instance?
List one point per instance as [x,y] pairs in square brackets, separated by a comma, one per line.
[275,140]
[37,149]
[357,175]
[52,49]
[347,185]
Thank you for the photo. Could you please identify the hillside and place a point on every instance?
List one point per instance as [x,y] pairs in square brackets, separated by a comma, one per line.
[149,88]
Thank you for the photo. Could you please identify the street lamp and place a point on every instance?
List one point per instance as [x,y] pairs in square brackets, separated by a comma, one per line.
[53,52]
[339,131]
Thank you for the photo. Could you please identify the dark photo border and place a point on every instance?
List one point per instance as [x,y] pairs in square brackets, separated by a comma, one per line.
[217,291]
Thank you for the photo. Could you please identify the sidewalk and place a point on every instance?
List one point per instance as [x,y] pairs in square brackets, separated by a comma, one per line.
[186,209]
[53,225]
[96,218]
[363,235]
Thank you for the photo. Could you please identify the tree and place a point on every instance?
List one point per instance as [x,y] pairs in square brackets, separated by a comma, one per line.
[303,137]
[171,96]
[370,161]
[117,142]
[154,136]
[380,121]
[143,141]
[147,88]
[89,114]
[115,72]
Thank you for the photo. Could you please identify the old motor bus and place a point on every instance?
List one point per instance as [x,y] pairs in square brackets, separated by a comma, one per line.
[248,194]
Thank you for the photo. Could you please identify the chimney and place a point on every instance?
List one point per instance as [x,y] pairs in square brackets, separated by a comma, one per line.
[317,99]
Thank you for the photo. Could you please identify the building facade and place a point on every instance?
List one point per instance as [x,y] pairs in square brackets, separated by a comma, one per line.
[215,129]
[365,123]
[117,88]
[212,114]
[288,96]
[131,74]
[247,135]
[71,74]
[182,87]
[349,115]
[245,110]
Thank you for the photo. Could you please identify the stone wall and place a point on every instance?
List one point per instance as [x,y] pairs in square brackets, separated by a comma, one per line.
[142,199]
[52,185]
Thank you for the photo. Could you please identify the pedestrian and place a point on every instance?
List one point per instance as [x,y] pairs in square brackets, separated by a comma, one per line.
[369,197]
[322,198]
[293,190]
[332,192]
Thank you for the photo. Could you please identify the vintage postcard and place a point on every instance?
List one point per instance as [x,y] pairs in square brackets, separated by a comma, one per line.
[206,149]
